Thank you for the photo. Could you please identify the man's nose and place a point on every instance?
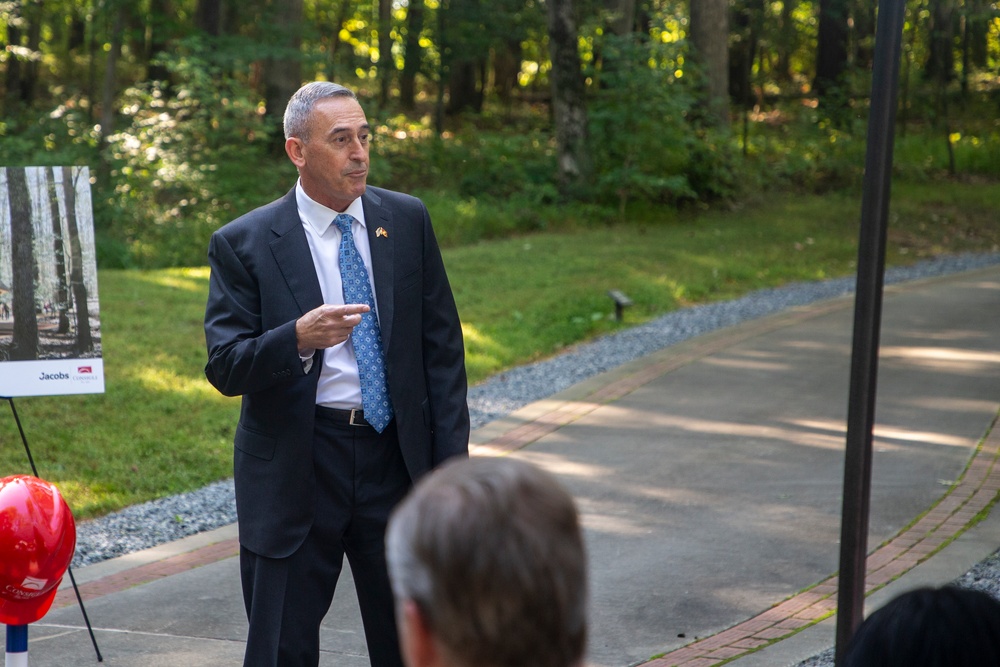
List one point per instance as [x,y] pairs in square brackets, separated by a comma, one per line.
[357,147]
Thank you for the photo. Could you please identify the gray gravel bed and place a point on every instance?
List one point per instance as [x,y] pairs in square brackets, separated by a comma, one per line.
[149,524]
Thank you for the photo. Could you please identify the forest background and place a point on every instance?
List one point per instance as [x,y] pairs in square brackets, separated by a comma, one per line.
[681,151]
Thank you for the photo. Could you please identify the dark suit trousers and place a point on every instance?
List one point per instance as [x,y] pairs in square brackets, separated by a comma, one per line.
[360,477]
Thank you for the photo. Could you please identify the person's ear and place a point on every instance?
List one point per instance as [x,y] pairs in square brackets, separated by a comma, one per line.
[417,642]
[294,149]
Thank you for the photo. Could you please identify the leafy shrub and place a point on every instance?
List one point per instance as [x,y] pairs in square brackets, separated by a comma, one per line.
[641,145]
[176,153]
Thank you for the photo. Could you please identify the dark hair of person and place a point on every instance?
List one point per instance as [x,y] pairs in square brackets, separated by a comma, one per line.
[930,627]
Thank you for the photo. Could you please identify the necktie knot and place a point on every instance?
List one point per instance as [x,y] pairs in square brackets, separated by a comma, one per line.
[343,222]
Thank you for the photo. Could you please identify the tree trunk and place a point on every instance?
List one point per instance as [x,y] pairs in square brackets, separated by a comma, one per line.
[465,91]
[412,54]
[745,21]
[208,17]
[160,18]
[283,76]
[831,55]
[443,65]
[13,74]
[386,64]
[59,253]
[864,34]
[787,41]
[940,65]
[24,346]
[709,39]
[506,66]
[569,109]
[343,11]
[29,83]
[108,94]
[977,24]
[84,338]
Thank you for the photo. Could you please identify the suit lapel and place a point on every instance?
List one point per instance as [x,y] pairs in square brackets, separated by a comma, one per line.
[378,224]
[292,255]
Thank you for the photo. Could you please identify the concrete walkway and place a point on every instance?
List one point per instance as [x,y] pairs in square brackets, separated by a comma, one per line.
[709,478]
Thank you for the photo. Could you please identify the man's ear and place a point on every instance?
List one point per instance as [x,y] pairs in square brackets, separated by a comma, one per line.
[293,148]
[417,642]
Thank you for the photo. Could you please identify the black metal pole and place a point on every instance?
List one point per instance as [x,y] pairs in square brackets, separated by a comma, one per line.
[69,570]
[867,323]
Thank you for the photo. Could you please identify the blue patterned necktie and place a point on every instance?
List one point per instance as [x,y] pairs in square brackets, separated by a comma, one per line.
[366,337]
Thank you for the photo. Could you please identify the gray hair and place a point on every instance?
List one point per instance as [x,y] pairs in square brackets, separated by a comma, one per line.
[490,550]
[296,120]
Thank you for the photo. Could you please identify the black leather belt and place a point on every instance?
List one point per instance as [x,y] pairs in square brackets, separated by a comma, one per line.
[354,417]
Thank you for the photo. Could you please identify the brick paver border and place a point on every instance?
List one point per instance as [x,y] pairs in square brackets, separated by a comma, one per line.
[144,574]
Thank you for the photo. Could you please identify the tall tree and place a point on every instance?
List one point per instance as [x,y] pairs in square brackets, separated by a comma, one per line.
[863,23]
[59,253]
[746,17]
[710,41]
[160,30]
[506,67]
[110,89]
[569,108]
[84,338]
[412,54]
[978,15]
[386,64]
[940,64]
[208,17]
[34,15]
[465,43]
[24,31]
[787,42]
[831,55]
[283,70]
[24,346]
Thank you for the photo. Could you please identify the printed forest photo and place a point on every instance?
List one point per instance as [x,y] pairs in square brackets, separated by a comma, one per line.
[48,270]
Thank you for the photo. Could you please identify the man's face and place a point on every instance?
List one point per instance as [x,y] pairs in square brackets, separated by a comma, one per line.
[333,161]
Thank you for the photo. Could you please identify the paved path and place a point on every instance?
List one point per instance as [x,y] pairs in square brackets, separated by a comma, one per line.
[709,478]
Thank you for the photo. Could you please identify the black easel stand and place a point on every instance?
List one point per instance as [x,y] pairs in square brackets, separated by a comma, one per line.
[69,570]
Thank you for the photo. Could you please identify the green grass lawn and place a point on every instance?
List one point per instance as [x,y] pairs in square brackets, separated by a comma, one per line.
[161,429]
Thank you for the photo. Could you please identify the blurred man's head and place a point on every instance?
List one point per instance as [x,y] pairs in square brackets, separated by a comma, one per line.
[488,567]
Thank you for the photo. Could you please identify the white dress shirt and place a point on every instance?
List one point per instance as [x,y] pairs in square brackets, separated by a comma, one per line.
[339,383]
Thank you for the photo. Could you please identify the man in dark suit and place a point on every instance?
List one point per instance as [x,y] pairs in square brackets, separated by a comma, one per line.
[314,479]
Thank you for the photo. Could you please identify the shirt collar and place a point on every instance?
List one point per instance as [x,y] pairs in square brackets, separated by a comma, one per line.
[320,217]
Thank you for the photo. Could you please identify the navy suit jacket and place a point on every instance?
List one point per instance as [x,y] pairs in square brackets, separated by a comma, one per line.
[262,280]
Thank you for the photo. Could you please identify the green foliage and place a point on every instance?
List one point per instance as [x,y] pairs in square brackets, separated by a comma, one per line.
[180,161]
[479,184]
[190,154]
[60,136]
[640,143]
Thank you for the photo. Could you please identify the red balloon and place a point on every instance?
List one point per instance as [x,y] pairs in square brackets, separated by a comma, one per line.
[37,541]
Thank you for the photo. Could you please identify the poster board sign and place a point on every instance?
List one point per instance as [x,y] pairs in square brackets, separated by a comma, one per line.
[50,330]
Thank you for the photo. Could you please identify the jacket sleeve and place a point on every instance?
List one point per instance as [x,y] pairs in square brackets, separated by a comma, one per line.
[243,356]
[444,356]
